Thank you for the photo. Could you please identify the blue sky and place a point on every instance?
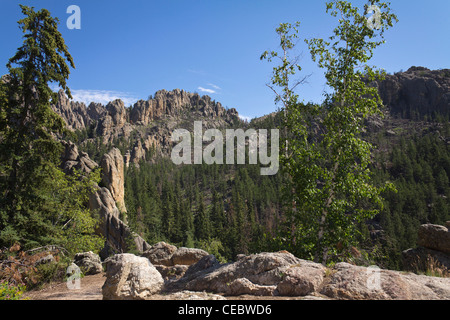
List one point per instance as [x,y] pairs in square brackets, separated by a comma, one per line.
[130,49]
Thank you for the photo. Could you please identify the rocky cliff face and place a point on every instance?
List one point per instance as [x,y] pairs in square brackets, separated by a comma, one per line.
[149,123]
[113,176]
[417,92]
[74,113]
[108,201]
[175,103]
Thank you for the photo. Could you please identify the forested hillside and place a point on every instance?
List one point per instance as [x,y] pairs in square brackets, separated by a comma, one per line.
[419,166]
[232,209]
[356,176]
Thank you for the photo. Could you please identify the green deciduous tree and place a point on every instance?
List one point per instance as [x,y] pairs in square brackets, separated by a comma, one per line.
[327,162]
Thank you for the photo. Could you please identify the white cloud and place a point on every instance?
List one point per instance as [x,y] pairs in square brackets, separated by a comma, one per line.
[206,90]
[245,118]
[214,86]
[101,96]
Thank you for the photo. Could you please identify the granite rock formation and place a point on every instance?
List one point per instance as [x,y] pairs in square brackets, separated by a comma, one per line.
[148,124]
[275,274]
[417,92]
[106,201]
[129,277]
[113,176]
[433,251]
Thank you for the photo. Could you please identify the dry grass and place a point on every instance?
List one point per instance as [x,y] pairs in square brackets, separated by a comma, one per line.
[431,267]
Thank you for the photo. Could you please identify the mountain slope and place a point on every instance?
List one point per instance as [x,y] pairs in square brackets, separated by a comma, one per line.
[168,202]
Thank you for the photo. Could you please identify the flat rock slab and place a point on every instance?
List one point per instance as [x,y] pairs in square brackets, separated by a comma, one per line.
[361,283]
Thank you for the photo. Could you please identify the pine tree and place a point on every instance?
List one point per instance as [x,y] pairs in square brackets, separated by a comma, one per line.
[218,219]
[39,204]
[168,211]
[202,222]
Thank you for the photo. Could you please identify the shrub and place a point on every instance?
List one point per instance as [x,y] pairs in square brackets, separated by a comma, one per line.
[11,292]
[23,269]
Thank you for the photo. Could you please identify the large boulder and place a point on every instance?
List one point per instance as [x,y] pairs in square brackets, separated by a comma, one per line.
[173,262]
[420,89]
[73,159]
[187,256]
[129,277]
[160,254]
[302,279]
[434,237]
[263,274]
[361,283]
[88,262]
[433,251]
[169,255]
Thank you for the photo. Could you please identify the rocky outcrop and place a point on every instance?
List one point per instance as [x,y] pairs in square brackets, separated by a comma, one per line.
[113,176]
[434,237]
[106,201]
[138,153]
[73,159]
[173,262]
[351,282]
[129,277]
[417,92]
[174,103]
[145,128]
[74,113]
[264,274]
[187,256]
[151,121]
[102,203]
[272,274]
[433,251]
[113,123]
[160,254]
[88,262]
[118,236]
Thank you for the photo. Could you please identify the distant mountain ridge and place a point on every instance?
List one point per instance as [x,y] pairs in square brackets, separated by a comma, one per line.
[164,104]
[147,125]
[417,94]
[416,111]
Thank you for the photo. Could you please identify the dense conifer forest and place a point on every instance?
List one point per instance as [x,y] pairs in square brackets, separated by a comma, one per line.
[232,209]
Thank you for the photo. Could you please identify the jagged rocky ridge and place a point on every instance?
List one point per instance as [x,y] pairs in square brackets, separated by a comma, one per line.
[115,115]
[108,201]
[154,120]
[151,121]
[416,93]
